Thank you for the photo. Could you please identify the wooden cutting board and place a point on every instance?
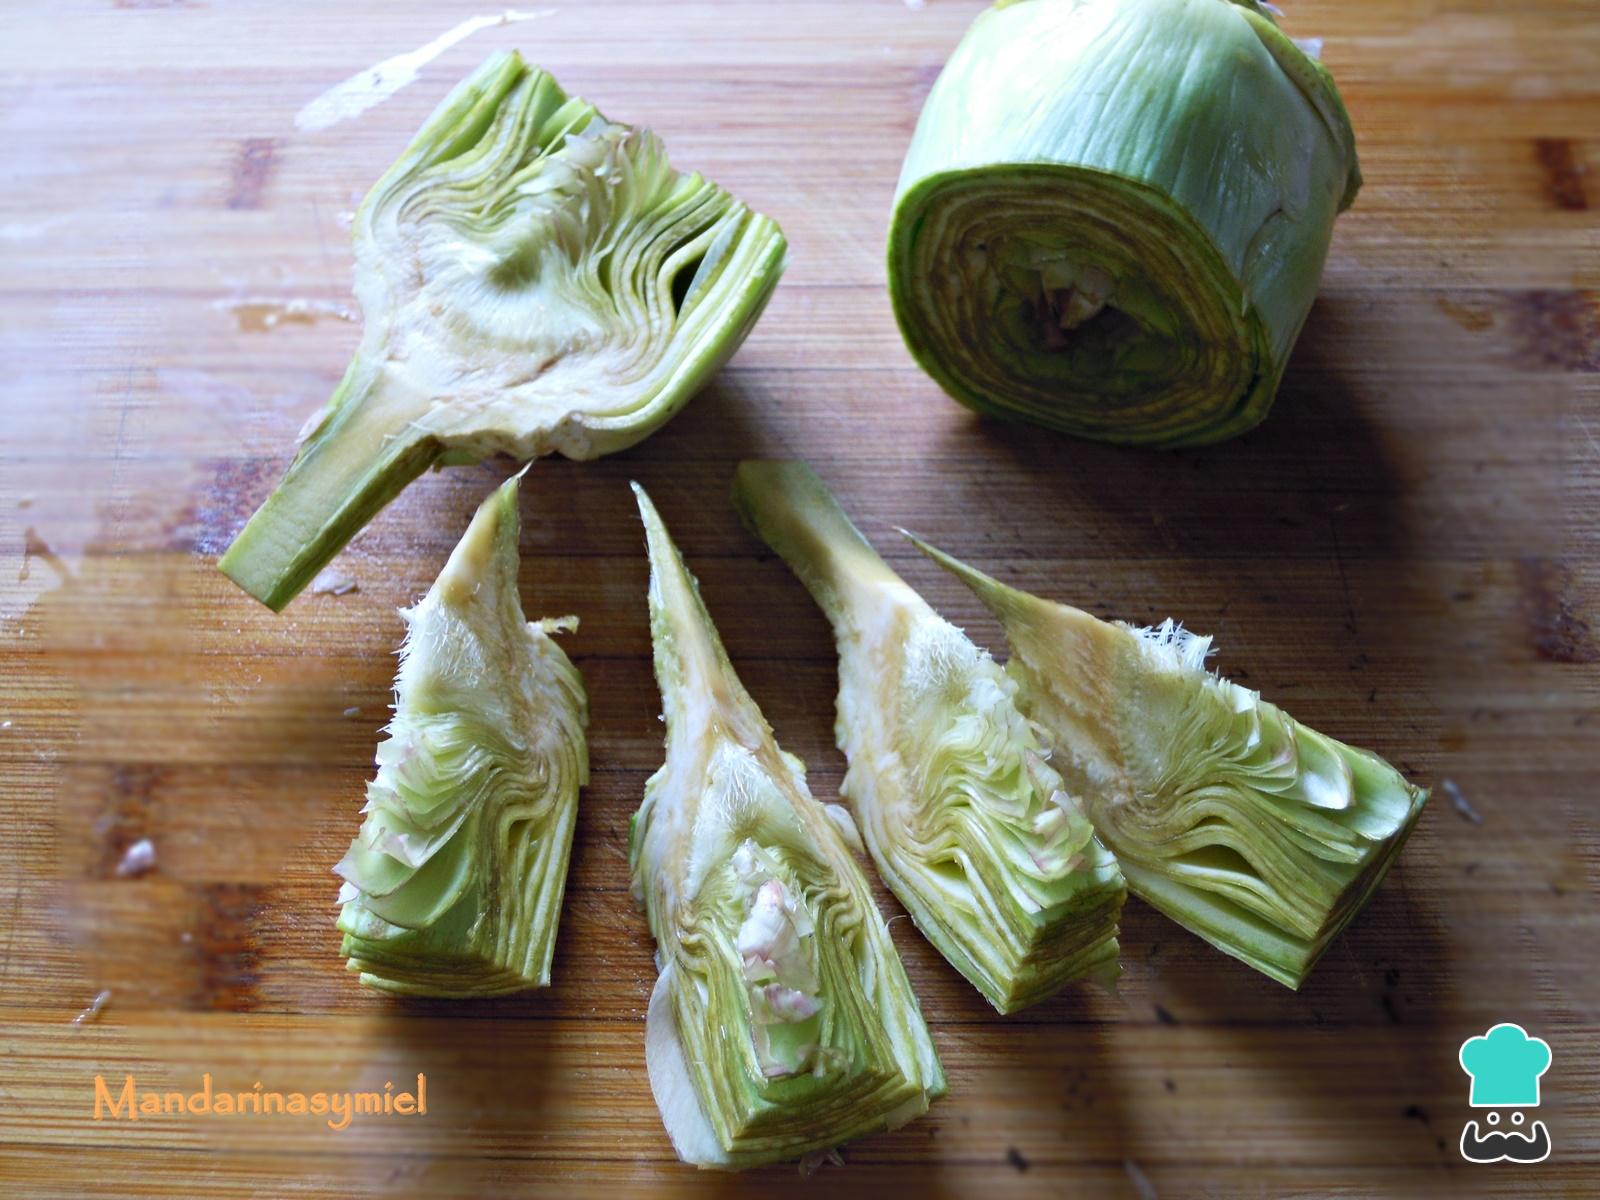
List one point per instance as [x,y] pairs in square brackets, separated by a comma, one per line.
[1404,556]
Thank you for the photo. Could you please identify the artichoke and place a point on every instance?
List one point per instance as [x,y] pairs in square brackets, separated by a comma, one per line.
[453,885]
[971,825]
[534,279]
[1261,835]
[782,1021]
[1113,215]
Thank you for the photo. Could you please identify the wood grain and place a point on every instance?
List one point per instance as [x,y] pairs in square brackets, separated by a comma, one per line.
[1404,555]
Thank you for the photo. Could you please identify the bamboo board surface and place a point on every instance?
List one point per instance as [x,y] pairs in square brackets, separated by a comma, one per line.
[1404,556]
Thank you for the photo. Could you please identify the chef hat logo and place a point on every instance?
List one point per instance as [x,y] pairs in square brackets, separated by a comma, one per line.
[1505,1065]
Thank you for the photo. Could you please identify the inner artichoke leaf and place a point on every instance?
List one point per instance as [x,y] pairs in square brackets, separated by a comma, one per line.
[968,820]
[534,279]
[782,1021]
[1254,831]
[453,885]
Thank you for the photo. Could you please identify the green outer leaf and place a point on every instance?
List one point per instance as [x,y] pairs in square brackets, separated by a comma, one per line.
[454,884]
[972,829]
[1184,152]
[534,279]
[727,801]
[1243,825]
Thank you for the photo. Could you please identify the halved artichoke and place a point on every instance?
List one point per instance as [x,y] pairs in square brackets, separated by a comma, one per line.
[453,886]
[535,279]
[970,824]
[1261,835]
[782,1021]
[1113,215]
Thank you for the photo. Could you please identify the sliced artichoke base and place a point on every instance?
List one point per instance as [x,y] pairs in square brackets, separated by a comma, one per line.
[1012,977]
[851,1085]
[1237,932]
[1113,215]
[1179,358]
[379,967]
[876,1101]
[1022,957]
[848,1088]
[464,952]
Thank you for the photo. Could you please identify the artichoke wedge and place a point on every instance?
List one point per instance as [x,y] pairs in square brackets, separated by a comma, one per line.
[782,1021]
[1113,215]
[535,279]
[971,826]
[1261,835]
[453,886]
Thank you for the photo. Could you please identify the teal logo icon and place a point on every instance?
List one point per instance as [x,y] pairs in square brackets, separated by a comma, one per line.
[1505,1066]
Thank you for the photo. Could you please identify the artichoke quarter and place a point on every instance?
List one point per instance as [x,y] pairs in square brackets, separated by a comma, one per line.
[1252,830]
[1113,215]
[534,279]
[453,886]
[970,824]
[782,1021]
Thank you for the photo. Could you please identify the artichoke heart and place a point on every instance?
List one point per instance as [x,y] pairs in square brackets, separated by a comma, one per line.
[971,825]
[1261,835]
[1113,215]
[534,279]
[453,885]
[782,1021]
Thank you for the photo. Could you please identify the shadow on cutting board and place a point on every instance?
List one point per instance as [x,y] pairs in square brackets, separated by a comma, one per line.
[1268,493]
[1364,1054]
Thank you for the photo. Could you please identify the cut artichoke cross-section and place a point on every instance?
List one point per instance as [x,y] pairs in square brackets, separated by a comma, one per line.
[453,886]
[970,824]
[782,1021]
[1113,215]
[1259,834]
[534,279]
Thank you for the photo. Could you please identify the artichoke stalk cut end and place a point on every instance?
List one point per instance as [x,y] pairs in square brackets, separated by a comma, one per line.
[967,817]
[782,1021]
[534,279]
[1113,215]
[453,886]
[1243,825]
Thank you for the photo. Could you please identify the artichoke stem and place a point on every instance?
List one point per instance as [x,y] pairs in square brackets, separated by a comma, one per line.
[360,457]
[787,506]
